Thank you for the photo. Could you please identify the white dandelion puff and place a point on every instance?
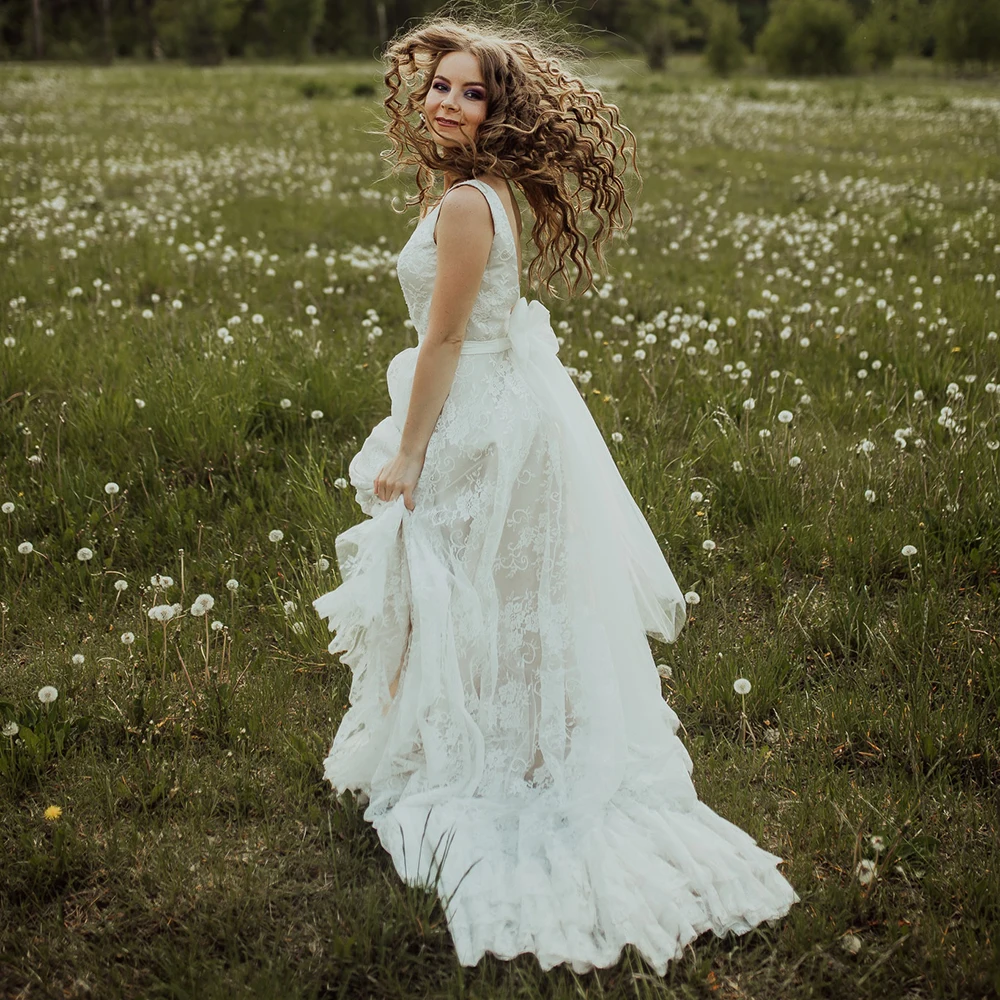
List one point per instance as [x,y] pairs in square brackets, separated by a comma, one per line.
[162,612]
[203,603]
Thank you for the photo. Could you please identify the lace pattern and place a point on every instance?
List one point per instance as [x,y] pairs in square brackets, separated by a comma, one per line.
[506,719]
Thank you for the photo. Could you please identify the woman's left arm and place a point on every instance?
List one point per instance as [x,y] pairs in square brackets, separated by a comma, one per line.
[464,236]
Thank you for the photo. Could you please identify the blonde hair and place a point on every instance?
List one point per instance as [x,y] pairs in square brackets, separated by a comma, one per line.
[545,131]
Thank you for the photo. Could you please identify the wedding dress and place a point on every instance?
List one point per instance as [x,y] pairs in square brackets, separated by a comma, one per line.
[506,717]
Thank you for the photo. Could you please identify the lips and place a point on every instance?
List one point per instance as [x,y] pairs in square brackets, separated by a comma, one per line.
[446,122]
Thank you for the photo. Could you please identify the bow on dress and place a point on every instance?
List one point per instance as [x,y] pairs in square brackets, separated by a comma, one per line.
[530,330]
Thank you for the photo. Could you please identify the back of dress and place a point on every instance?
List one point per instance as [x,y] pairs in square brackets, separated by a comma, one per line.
[416,268]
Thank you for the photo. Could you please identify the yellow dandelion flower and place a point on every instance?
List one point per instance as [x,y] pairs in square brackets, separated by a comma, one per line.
[53,813]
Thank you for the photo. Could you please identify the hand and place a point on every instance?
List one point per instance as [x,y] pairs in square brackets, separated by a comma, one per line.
[399,477]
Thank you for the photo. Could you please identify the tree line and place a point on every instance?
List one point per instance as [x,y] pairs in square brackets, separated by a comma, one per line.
[789,36]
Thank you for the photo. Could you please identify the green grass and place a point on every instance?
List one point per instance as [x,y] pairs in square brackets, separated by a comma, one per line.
[200,853]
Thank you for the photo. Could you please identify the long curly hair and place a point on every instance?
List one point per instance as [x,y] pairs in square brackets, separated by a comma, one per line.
[545,131]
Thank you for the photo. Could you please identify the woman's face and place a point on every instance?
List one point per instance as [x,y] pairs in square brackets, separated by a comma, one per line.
[455,105]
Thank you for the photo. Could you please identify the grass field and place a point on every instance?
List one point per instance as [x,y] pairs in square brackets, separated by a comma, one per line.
[198,305]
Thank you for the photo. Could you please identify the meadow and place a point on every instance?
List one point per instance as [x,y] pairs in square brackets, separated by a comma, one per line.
[794,359]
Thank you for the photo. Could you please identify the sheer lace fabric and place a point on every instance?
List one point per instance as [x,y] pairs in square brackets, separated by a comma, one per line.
[506,717]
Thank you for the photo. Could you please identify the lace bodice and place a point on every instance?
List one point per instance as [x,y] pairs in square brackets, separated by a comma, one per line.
[416,267]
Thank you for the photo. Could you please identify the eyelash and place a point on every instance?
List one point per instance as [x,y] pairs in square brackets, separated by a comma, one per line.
[469,93]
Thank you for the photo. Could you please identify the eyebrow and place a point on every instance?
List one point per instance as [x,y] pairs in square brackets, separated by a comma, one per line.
[471,83]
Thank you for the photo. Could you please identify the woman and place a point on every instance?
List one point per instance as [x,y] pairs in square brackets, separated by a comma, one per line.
[506,720]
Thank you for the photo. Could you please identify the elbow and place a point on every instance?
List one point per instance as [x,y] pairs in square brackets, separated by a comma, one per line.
[450,340]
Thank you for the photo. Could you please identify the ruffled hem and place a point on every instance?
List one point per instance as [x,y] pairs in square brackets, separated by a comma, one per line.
[576,888]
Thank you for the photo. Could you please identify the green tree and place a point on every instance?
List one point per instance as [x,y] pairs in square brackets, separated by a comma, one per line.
[968,31]
[809,37]
[880,36]
[198,30]
[724,51]
[293,25]
[661,26]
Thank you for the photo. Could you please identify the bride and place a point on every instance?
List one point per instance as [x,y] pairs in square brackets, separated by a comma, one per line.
[507,723]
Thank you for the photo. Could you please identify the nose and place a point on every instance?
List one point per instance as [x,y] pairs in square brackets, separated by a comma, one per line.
[449,101]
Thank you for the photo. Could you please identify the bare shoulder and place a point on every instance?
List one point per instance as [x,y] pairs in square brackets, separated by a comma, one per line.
[465,214]
[466,202]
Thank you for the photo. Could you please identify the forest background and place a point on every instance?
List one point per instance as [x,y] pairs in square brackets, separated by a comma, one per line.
[792,36]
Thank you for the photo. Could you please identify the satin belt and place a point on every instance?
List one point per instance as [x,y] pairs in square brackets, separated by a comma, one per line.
[486,346]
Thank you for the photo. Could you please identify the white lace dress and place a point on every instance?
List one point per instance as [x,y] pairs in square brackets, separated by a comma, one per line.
[506,718]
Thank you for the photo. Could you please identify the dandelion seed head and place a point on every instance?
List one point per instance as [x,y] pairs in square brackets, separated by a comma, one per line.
[741,685]
[203,603]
